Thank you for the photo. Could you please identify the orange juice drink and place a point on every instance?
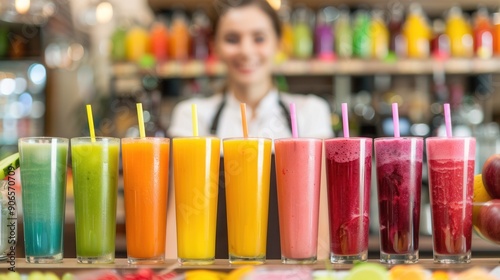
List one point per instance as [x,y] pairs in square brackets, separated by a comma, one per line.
[145,175]
[196,179]
[246,170]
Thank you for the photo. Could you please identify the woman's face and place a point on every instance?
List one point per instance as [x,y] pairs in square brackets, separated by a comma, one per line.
[247,43]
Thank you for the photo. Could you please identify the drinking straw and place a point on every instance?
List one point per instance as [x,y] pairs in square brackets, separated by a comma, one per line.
[140,118]
[395,119]
[243,108]
[91,122]
[345,120]
[447,119]
[194,119]
[293,118]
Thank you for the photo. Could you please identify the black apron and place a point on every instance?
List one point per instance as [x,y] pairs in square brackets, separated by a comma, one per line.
[273,250]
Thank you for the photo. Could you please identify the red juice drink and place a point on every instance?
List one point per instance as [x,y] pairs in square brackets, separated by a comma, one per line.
[399,181]
[348,165]
[451,179]
[298,175]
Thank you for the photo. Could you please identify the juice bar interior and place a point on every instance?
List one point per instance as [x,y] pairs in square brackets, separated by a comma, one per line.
[57,56]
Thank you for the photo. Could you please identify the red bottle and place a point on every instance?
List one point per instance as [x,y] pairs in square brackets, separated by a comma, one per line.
[483,35]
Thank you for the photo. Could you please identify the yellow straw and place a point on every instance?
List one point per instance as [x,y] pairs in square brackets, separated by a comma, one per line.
[140,118]
[243,108]
[91,123]
[194,119]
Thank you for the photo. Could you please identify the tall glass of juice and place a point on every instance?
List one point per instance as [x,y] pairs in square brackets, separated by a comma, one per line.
[298,175]
[348,165]
[196,179]
[399,181]
[247,168]
[95,183]
[43,163]
[451,181]
[145,178]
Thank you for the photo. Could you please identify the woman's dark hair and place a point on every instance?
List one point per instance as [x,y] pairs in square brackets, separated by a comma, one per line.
[223,6]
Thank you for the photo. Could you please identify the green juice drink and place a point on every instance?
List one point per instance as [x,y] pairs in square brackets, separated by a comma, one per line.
[43,174]
[95,181]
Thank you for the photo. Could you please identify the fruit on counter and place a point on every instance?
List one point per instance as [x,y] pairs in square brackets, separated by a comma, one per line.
[480,195]
[372,271]
[440,275]
[491,175]
[202,274]
[405,272]
[8,165]
[488,222]
[240,272]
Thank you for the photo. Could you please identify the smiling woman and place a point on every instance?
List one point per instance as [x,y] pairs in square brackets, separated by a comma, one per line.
[247,36]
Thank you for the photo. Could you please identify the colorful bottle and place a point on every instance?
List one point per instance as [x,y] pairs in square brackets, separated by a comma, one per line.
[118,44]
[397,42]
[440,44]
[287,39]
[343,35]
[200,36]
[379,36]
[483,37]
[361,41]
[178,47]
[323,36]
[137,43]
[417,32]
[302,34]
[159,41]
[459,32]
[496,33]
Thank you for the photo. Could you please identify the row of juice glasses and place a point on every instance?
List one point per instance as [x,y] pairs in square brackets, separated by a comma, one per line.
[247,164]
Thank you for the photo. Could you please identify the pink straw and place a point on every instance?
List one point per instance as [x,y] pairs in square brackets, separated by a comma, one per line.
[447,119]
[293,118]
[345,120]
[395,119]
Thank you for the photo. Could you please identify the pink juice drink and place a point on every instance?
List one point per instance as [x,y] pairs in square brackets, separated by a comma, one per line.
[451,179]
[298,175]
[399,181]
[348,165]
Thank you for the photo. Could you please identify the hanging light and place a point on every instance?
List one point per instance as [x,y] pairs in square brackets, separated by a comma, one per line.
[26,11]
[97,12]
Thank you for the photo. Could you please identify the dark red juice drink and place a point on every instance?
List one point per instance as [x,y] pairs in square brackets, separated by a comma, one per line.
[451,179]
[348,164]
[399,181]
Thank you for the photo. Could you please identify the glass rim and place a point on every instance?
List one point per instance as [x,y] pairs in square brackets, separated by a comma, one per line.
[145,138]
[394,138]
[97,137]
[299,139]
[247,138]
[346,138]
[450,138]
[23,139]
[196,137]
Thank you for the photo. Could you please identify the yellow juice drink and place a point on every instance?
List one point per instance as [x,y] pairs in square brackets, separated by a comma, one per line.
[196,179]
[247,169]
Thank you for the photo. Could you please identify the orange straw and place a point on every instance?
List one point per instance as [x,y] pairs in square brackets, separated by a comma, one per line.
[243,108]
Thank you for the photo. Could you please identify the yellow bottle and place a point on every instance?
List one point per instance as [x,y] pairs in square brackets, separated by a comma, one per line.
[417,32]
[379,36]
[459,32]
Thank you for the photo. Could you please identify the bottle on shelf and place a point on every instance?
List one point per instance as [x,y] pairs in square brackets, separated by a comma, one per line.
[159,40]
[302,33]
[118,44]
[459,33]
[323,34]
[483,36]
[440,43]
[343,35]
[397,42]
[379,35]
[417,32]
[200,35]
[496,33]
[361,41]
[137,43]
[178,47]
[286,42]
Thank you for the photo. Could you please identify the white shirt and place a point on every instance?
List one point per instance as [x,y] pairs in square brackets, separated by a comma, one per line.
[313,117]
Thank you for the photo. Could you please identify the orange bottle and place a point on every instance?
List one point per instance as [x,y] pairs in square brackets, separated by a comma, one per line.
[459,33]
[159,41]
[417,32]
[179,39]
[483,37]
[496,33]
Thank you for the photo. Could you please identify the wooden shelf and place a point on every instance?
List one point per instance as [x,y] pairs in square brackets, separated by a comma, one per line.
[193,69]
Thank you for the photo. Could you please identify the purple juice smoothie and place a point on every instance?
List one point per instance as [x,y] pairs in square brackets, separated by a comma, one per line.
[348,164]
[399,182]
[451,180]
